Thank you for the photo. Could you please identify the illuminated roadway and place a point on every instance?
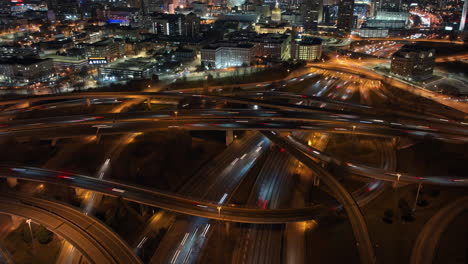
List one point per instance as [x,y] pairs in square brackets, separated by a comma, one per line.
[428,239]
[217,181]
[328,103]
[285,123]
[231,119]
[377,173]
[196,207]
[167,201]
[358,223]
[91,237]
[442,99]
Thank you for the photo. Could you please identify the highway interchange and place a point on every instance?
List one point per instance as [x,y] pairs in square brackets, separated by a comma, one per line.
[274,121]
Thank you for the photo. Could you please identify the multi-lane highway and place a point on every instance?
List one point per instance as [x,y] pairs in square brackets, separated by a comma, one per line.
[168,201]
[232,119]
[216,182]
[208,193]
[428,239]
[380,173]
[91,237]
[358,223]
[272,189]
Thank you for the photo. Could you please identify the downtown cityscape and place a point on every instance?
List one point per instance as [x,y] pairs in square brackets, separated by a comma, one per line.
[233,131]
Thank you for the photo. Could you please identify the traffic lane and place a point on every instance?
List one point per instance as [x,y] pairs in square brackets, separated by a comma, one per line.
[90,247]
[183,241]
[218,184]
[259,244]
[380,173]
[429,237]
[63,104]
[230,168]
[273,181]
[232,175]
[276,105]
[325,103]
[454,104]
[113,243]
[169,250]
[76,130]
[170,202]
[218,187]
[358,223]
[239,114]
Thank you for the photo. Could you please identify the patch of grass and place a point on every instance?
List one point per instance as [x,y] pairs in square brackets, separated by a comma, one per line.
[19,244]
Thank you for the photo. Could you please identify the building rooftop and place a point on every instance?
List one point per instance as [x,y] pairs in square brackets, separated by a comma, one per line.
[311,41]
[223,44]
[183,50]
[407,48]
[134,64]
[104,42]
[22,61]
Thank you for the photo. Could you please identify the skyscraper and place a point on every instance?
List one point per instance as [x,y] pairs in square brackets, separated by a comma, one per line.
[310,13]
[346,15]
[375,6]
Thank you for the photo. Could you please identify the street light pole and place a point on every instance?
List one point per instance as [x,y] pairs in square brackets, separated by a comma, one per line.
[219,211]
[28,221]
[417,196]
[397,181]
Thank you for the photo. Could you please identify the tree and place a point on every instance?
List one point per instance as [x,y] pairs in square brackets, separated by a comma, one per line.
[406,212]
[26,234]
[43,235]
[388,216]
[435,193]
[79,86]
[84,72]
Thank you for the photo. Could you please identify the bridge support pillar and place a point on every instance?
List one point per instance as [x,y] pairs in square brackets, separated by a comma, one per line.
[12,182]
[316,180]
[148,103]
[229,137]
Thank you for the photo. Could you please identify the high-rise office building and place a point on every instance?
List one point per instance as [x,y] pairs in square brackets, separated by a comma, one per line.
[345,15]
[64,9]
[306,49]
[151,6]
[191,26]
[176,25]
[311,10]
[375,6]
[413,62]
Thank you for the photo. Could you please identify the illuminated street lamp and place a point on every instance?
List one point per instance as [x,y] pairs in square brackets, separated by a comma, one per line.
[28,221]
[175,113]
[219,210]
[398,179]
